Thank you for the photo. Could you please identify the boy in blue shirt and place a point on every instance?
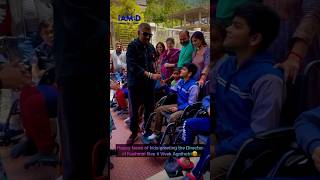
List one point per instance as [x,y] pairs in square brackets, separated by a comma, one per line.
[187,91]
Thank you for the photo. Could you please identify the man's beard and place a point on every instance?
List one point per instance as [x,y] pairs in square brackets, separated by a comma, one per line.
[185,43]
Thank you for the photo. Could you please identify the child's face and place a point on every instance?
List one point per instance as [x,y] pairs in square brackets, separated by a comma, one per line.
[238,34]
[159,49]
[47,35]
[184,72]
[176,75]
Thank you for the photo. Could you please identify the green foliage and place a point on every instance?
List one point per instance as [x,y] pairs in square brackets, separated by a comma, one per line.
[125,8]
[125,31]
[158,11]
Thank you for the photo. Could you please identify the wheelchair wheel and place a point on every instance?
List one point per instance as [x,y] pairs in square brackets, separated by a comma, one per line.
[168,135]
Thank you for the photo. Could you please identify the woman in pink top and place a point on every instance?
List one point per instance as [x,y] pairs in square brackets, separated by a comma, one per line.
[160,48]
[201,57]
[170,59]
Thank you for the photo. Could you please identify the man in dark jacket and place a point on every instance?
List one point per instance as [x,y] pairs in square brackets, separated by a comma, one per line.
[141,76]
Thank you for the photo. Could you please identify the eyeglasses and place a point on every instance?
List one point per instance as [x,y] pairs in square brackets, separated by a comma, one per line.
[146,34]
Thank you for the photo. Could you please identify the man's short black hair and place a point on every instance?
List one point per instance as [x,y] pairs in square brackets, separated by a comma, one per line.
[261,19]
[191,68]
[144,26]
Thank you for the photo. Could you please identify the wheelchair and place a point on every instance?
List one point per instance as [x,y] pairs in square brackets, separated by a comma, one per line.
[173,131]
[201,138]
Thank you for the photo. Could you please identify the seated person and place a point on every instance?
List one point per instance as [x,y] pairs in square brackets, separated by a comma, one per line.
[307,129]
[124,76]
[187,91]
[38,104]
[173,80]
[175,77]
[191,128]
[44,57]
[120,95]
[248,89]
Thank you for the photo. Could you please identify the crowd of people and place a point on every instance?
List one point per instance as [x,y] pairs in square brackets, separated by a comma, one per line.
[162,66]
[256,49]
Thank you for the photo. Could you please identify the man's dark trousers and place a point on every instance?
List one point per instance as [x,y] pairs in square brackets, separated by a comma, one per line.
[141,94]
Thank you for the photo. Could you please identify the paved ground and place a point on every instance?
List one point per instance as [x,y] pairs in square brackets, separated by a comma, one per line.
[15,170]
[124,168]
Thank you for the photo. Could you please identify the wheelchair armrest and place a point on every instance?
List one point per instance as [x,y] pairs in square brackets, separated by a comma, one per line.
[284,132]
[275,139]
[191,110]
[268,145]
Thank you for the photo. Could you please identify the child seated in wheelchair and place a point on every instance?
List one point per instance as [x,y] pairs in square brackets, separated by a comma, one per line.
[175,78]
[38,105]
[187,92]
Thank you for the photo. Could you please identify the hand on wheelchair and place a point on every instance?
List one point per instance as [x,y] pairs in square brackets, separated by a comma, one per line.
[173,109]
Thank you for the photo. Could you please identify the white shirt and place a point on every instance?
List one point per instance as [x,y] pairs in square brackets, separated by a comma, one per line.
[119,62]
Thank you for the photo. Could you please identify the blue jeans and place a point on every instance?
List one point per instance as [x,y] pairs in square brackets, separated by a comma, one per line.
[191,128]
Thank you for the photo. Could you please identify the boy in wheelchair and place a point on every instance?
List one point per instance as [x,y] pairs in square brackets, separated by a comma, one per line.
[187,92]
